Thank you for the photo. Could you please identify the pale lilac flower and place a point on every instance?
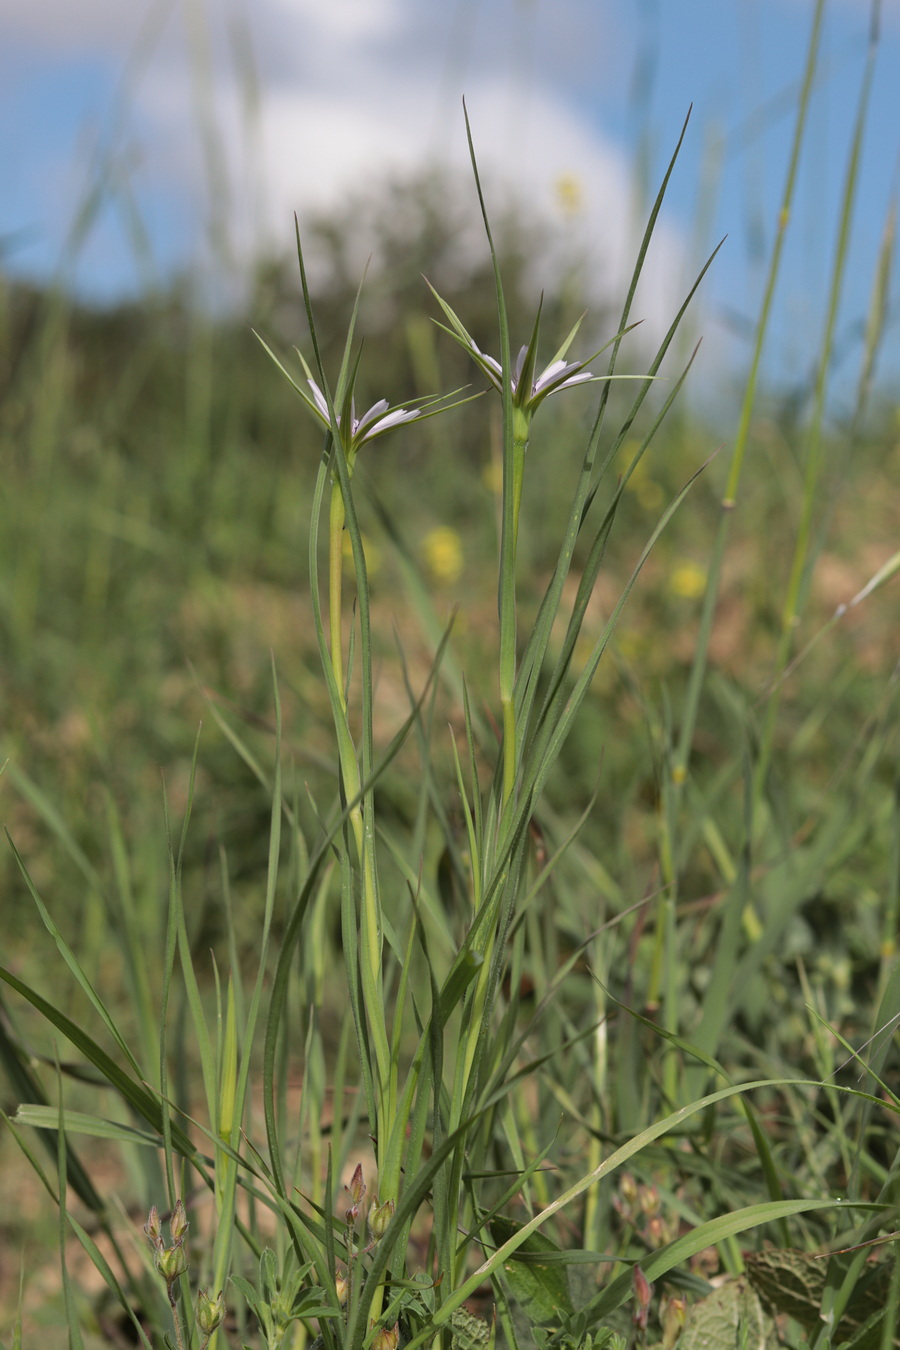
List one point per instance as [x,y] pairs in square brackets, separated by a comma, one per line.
[528,388]
[558,375]
[354,431]
[379,418]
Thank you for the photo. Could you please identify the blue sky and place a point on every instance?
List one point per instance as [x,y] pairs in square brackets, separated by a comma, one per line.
[592,92]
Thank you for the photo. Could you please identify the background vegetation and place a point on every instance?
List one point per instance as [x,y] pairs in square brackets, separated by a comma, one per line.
[155,499]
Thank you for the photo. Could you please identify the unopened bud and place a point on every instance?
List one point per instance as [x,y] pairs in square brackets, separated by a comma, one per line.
[642,1290]
[673,1317]
[171,1262]
[379,1218]
[153,1228]
[341,1288]
[210,1312]
[628,1188]
[357,1187]
[650,1201]
[386,1338]
[178,1224]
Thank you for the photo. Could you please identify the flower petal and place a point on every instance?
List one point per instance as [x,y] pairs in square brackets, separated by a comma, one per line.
[517,372]
[319,399]
[371,416]
[561,376]
[488,365]
[386,421]
[555,368]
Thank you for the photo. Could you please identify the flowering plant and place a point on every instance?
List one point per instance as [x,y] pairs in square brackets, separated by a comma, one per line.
[528,390]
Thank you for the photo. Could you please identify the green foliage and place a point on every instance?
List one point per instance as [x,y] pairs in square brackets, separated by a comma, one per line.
[730,1318]
[385,1014]
[279,1299]
[541,1288]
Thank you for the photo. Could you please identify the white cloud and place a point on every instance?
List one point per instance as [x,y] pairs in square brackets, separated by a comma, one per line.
[343,19]
[357,91]
[55,26]
[346,102]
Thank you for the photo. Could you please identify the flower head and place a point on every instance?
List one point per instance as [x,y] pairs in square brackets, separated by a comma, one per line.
[558,375]
[379,418]
[529,389]
[355,431]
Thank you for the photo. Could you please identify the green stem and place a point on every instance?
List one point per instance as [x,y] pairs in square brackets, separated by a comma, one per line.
[176,1320]
[508,551]
[370,927]
[335,580]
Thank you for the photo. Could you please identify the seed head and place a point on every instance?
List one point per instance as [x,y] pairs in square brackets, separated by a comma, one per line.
[379,1218]
[210,1312]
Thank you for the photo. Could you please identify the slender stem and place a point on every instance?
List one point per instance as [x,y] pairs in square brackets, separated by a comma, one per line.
[370,927]
[349,764]
[335,579]
[520,445]
[176,1321]
[370,933]
[508,552]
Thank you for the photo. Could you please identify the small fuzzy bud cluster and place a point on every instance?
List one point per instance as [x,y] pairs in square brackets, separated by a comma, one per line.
[641,1206]
[171,1261]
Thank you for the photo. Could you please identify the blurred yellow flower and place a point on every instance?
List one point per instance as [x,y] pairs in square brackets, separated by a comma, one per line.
[372,552]
[688,581]
[569,194]
[443,553]
[632,644]
[492,476]
[650,495]
[648,492]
